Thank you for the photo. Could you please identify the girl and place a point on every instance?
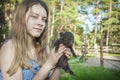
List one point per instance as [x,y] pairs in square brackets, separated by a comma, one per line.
[26,56]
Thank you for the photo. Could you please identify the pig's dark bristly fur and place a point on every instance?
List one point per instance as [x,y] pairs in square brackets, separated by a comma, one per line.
[67,39]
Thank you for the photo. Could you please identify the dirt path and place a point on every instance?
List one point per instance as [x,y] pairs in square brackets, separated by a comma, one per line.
[109,62]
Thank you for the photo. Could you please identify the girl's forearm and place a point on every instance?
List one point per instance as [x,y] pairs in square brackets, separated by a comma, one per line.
[56,74]
[43,72]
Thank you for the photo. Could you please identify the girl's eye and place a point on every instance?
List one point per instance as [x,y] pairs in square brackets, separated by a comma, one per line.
[34,16]
[44,19]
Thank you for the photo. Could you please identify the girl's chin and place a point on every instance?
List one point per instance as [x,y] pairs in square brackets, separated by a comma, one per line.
[36,35]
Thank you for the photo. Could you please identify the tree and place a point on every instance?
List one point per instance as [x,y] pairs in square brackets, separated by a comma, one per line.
[64,18]
[7,9]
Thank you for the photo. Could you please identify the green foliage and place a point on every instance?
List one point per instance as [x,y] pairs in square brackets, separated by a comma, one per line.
[111,21]
[3,33]
[66,13]
[12,1]
[69,16]
[77,40]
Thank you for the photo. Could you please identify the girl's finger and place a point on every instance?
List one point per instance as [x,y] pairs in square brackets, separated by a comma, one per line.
[68,49]
[61,45]
[60,52]
[67,54]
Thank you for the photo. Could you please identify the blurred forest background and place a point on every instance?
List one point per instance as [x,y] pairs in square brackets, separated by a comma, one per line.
[94,23]
[96,28]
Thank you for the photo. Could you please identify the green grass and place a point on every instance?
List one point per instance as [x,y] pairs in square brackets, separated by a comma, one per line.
[84,72]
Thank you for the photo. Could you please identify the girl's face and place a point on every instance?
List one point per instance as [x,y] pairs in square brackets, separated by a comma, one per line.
[36,20]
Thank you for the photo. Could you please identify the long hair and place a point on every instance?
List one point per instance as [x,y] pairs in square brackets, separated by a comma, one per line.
[19,38]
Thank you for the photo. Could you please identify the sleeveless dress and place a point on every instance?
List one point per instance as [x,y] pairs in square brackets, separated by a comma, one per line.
[28,74]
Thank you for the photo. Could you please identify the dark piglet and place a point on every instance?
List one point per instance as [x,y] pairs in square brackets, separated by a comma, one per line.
[67,39]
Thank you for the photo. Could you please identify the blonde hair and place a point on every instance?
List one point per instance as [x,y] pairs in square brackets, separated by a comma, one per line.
[19,38]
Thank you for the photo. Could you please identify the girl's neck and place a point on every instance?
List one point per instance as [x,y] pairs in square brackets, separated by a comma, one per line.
[31,49]
[30,42]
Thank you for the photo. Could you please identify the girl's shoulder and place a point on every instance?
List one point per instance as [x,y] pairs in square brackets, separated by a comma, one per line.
[7,44]
[7,48]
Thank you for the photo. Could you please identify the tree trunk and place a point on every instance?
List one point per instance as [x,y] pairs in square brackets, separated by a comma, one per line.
[61,9]
[96,25]
[53,20]
[109,26]
[101,50]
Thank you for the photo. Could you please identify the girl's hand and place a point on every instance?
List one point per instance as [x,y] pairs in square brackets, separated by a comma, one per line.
[53,57]
[67,53]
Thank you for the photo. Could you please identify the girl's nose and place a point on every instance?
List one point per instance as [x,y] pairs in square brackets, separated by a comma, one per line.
[40,22]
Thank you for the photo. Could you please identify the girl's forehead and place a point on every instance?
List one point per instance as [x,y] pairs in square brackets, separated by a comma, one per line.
[39,10]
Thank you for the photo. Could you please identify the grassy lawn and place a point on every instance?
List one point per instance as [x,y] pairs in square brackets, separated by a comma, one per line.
[84,72]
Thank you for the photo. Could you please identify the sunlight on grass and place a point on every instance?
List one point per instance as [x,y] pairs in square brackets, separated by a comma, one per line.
[83,72]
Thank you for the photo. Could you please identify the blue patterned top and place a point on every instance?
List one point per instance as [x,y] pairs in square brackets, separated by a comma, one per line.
[28,74]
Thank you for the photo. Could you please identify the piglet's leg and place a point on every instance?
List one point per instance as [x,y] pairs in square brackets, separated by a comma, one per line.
[74,54]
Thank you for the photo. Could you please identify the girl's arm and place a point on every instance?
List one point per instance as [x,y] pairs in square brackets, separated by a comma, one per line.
[53,58]
[6,57]
[56,74]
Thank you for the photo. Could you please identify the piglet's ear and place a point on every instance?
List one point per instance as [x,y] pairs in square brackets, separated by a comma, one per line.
[61,34]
